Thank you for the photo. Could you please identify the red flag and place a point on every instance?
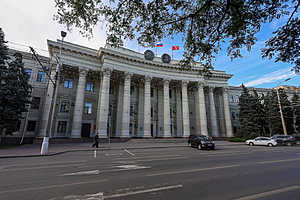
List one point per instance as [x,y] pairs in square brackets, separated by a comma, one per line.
[174,48]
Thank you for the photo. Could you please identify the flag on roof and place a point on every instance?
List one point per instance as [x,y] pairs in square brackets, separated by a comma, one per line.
[174,48]
[159,45]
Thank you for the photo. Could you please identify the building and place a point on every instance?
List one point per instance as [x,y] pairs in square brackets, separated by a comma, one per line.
[117,92]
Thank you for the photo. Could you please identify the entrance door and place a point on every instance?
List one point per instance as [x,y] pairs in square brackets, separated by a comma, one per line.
[85,130]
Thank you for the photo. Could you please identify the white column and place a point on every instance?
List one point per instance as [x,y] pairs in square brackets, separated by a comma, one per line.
[166,105]
[229,132]
[202,110]
[185,110]
[126,106]
[213,115]
[119,109]
[147,107]
[103,104]
[78,109]
[47,105]
[141,111]
[178,112]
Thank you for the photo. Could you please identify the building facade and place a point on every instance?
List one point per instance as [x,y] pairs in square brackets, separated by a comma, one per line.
[116,92]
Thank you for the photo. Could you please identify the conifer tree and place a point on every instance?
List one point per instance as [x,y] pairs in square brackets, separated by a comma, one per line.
[14,89]
[273,121]
[287,111]
[259,114]
[296,112]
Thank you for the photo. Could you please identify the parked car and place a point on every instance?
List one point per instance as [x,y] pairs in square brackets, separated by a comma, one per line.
[202,142]
[190,139]
[285,139]
[264,141]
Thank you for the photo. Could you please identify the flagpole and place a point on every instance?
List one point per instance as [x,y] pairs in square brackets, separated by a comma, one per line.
[172,53]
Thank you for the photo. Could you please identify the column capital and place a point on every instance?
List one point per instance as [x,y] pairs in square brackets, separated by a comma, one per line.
[201,84]
[128,75]
[83,72]
[107,72]
[211,88]
[225,89]
[185,82]
[167,81]
[148,78]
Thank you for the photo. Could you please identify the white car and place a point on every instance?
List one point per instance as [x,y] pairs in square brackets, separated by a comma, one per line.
[265,141]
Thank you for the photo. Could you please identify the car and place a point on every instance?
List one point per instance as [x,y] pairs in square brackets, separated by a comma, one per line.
[202,142]
[262,141]
[190,139]
[285,139]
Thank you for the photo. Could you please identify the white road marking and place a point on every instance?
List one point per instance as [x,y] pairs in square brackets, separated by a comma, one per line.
[163,156]
[132,167]
[93,172]
[46,163]
[50,186]
[45,167]
[278,161]
[158,159]
[95,153]
[143,191]
[269,193]
[113,154]
[97,196]
[192,170]
[129,152]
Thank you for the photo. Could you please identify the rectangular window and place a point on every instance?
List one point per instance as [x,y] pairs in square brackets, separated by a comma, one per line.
[31,126]
[64,106]
[62,127]
[131,90]
[170,94]
[40,76]
[35,102]
[89,87]
[68,83]
[152,92]
[88,108]
[28,71]
[111,89]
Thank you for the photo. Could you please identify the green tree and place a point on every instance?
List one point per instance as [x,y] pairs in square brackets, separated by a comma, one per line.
[287,111]
[248,118]
[259,114]
[273,121]
[203,24]
[296,112]
[14,89]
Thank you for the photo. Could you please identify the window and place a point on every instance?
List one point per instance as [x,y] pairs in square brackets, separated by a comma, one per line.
[170,94]
[68,83]
[111,89]
[233,115]
[62,127]
[35,102]
[64,106]
[40,76]
[131,90]
[151,112]
[31,126]
[88,108]
[152,92]
[28,71]
[89,87]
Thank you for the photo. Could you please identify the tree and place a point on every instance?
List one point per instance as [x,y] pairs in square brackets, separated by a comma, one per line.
[259,115]
[14,88]
[287,111]
[273,121]
[296,112]
[248,118]
[203,24]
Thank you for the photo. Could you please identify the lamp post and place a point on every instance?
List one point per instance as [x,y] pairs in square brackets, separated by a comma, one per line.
[45,144]
[280,107]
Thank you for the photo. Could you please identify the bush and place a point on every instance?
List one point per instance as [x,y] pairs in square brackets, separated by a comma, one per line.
[240,139]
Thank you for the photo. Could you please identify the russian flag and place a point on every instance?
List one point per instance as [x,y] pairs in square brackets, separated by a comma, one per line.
[159,45]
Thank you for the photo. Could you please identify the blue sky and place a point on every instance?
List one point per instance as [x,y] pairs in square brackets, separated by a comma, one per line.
[33,25]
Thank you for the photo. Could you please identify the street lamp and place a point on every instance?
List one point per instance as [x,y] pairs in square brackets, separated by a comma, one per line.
[45,144]
[280,108]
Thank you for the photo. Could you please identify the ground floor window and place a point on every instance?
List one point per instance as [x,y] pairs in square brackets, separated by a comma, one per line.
[31,126]
[62,127]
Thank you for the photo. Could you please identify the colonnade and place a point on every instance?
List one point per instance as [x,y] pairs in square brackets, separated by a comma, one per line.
[144,113]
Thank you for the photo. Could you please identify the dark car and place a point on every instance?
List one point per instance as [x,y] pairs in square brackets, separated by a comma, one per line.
[190,139]
[202,142]
[284,139]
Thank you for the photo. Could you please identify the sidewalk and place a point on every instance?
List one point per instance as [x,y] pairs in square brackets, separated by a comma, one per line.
[33,150]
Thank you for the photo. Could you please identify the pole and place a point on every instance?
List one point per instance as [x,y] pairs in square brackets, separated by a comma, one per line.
[45,144]
[281,114]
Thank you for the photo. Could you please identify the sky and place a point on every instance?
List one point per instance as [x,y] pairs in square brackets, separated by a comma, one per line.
[30,23]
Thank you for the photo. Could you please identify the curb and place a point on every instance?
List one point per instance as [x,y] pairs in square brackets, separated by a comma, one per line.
[78,150]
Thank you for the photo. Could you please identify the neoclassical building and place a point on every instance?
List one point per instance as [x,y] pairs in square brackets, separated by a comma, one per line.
[117,92]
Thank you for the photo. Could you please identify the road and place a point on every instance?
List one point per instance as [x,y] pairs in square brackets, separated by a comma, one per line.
[236,172]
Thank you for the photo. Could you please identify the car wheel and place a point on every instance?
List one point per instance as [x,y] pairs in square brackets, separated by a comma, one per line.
[251,144]
[270,144]
[189,144]
[289,144]
[199,147]
[213,148]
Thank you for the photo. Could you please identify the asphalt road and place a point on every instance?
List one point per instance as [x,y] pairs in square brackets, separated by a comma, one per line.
[234,172]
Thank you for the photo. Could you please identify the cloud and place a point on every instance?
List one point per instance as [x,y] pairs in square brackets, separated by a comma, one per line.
[271,77]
